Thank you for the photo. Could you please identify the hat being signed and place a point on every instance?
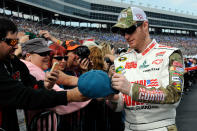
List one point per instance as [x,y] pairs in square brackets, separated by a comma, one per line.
[95,84]
[129,17]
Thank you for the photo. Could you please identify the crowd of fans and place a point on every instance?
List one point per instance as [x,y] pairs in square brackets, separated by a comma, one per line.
[75,59]
[187,44]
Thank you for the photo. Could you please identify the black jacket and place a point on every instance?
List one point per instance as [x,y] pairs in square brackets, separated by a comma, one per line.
[20,90]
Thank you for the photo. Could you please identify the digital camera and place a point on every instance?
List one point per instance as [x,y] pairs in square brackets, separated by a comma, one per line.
[83,52]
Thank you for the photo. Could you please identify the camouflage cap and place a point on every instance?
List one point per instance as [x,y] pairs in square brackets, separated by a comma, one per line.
[129,17]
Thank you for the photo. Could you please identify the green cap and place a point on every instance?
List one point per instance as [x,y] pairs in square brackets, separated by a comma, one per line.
[129,17]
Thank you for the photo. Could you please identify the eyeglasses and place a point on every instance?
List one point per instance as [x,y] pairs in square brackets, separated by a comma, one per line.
[44,53]
[130,30]
[59,58]
[10,42]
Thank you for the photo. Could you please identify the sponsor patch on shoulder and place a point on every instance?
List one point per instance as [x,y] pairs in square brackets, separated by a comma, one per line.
[176,79]
[177,86]
[177,64]
[173,68]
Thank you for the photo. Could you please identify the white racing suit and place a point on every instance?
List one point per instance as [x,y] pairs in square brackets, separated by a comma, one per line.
[156,77]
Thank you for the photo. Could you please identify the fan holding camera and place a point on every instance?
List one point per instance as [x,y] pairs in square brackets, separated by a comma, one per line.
[78,60]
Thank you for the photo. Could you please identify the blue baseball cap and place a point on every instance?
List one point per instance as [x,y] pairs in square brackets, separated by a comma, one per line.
[95,84]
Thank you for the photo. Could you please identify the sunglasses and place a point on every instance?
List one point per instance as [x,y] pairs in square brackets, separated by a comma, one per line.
[10,42]
[130,30]
[59,58]
[44,53]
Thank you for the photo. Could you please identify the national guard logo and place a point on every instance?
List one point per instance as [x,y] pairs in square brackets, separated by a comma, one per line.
[122,59]
[120,69]
[144,65]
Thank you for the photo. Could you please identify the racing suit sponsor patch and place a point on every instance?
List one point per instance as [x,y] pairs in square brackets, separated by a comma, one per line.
[177,73]
[130,65]
[173,68]
[120,70]
[176,79]
[144,65]
[148,83]
[160,53]
[151,69]
[122,59]
[177,86]
[134,105]
[157,61]
[154,95]
[177,64]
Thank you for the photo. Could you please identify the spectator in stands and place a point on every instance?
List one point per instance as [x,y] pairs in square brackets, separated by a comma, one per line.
[19,89]
[187,44]
[149,77]
[194,62]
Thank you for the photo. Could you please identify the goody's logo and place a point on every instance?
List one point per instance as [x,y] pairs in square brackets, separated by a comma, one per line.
[120,69]
[122,59]
[144,65]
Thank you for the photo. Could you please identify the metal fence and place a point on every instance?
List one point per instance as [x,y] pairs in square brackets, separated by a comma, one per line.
[96,116]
